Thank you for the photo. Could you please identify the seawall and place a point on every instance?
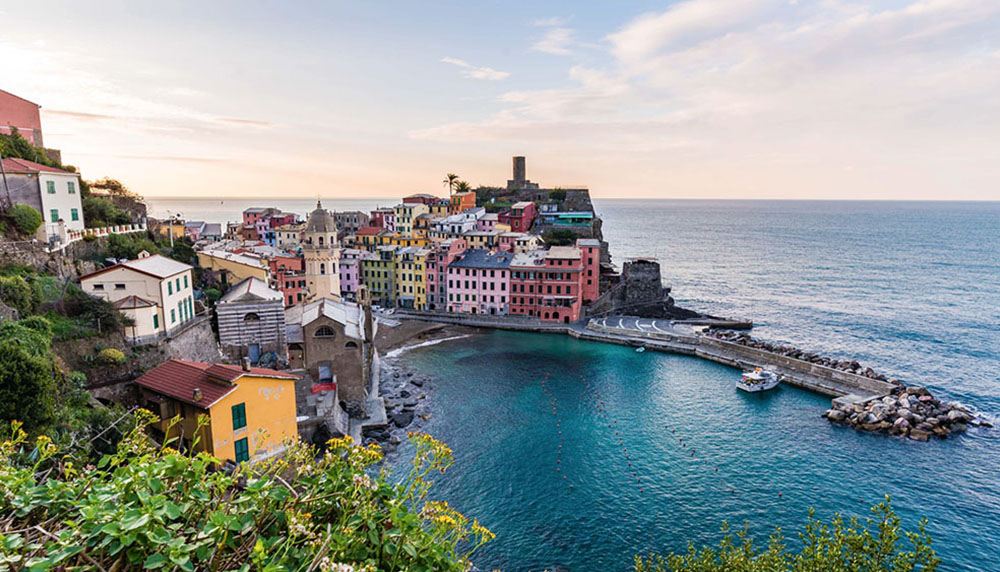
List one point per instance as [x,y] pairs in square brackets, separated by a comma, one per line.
[799,373]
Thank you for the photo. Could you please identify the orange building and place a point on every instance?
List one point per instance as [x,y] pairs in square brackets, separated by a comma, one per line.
[461,202]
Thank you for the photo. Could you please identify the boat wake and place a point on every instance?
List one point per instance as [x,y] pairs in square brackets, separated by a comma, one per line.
[400,351]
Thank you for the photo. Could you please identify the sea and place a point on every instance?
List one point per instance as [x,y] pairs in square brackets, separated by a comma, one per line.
[580,455]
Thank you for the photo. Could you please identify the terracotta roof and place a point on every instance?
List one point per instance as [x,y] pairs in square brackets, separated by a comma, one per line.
[11,164]
[368,230]
[179,379]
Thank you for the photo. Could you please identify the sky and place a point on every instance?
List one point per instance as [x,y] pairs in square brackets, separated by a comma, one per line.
[785,99]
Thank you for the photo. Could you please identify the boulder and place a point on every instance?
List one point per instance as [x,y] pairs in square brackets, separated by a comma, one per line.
[919,435]
[959,428]
[956,415]
[417,382]
[835,415]
[402,419]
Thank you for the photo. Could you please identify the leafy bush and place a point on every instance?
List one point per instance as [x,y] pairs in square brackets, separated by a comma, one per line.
[111,356]
[559,237]
[557,195]
[872,545]
[100,211]
[18,294]
[152,507]
[25,218]
[27,385]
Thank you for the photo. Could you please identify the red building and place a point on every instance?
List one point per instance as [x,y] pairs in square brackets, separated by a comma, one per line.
[421,198]
[546,284]
[291,285]
[436,269]
[383,218]
[21,114]
[281,219]
[590,281]
[520,216]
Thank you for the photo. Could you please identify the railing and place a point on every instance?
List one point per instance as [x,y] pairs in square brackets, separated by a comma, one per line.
[77,235]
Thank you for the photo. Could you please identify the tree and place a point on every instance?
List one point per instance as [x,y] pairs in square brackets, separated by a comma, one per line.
[449,181]
[462,187]
[25,218]
[557,195]
[112,187]
[27,385]
[872,545]
[18,294]
[100,211]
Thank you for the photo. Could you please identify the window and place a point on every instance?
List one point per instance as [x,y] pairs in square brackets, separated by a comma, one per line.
[251,317]
[178,284]
[324,332]
[241,450]
[98,286]
[74,214]
[185,281]
[170,288]
[239,416]
[71,186]
[54,215]
[50,186]
[119,286]
[173,316]
[156,321]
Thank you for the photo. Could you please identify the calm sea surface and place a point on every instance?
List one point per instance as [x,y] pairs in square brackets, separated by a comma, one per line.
[912,289]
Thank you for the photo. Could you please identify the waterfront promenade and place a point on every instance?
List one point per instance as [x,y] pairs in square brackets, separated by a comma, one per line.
[680,337]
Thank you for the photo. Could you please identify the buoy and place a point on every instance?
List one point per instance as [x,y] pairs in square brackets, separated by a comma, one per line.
[640,490]
[779,494]
[564,476]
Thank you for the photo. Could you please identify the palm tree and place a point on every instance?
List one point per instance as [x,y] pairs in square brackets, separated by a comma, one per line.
[462,187]
[449,180]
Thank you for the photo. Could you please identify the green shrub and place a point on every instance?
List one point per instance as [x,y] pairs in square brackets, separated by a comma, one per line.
[25,218]
[873,545]
[18,294]
[148,506]
[111,356]
[557,195]
[27,385]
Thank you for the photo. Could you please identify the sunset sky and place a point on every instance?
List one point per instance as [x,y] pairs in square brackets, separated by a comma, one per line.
[895,99]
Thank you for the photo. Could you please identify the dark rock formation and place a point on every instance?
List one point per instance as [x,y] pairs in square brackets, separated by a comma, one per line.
[909,412]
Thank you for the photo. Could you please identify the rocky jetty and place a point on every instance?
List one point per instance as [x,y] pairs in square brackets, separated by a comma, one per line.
[849,366]
[909,412]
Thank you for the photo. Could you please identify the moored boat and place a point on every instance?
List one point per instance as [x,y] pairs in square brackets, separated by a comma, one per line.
[758,380]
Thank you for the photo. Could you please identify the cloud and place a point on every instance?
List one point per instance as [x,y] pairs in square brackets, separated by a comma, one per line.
[556,41]
[781,92]
[475,72]
[548,22]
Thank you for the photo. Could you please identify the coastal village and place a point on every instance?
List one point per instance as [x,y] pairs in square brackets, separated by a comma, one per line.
[270,325]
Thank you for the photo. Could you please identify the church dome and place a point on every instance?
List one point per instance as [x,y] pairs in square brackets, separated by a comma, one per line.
[320,220]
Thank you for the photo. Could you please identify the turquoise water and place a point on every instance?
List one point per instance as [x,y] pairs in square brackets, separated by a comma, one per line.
[491,407]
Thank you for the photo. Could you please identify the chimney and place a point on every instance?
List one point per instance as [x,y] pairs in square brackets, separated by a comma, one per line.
[196,395]
[246,363]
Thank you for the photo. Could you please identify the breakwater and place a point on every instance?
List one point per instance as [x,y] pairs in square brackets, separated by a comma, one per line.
[861,396]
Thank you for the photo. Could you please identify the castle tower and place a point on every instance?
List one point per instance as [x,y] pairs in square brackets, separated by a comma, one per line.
[321,253]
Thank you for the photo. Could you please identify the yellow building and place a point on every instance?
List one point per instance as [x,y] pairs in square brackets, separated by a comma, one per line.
[406,214]
[409,241]
[251,410]
[410,286]
[233,267]
[370,238]
[484,239]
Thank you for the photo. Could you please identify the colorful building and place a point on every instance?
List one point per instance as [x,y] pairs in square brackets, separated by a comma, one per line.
[20,114]
[383,218]
[461,202]
[478,282]
[410,286]
[520,216]
[371,237]
[438,260]
[379,274]
[483,239]
[251,410]
[53,192]
[406,214]
[487,222]
[590,281]
[234,267]
[289,236]
[546,284]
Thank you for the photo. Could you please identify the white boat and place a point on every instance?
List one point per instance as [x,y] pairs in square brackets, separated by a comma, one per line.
[758,380]
[640,349]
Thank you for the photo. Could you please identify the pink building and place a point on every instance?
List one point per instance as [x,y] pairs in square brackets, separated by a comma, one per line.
[590,279]
[21,114]
[478,282]
[520,216]
[252,215]
[436,269]
[487,222]
[350,271]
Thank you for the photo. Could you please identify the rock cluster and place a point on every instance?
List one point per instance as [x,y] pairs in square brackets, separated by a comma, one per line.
[909,412]
[849,366]
[406,405]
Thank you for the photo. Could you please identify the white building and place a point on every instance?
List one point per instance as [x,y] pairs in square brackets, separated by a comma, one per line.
[52,192]
[135,285]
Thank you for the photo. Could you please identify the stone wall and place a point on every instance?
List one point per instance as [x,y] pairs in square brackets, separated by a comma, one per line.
[640,293]
[73,261]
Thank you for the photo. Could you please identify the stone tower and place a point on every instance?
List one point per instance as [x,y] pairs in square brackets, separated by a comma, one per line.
[321,252]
